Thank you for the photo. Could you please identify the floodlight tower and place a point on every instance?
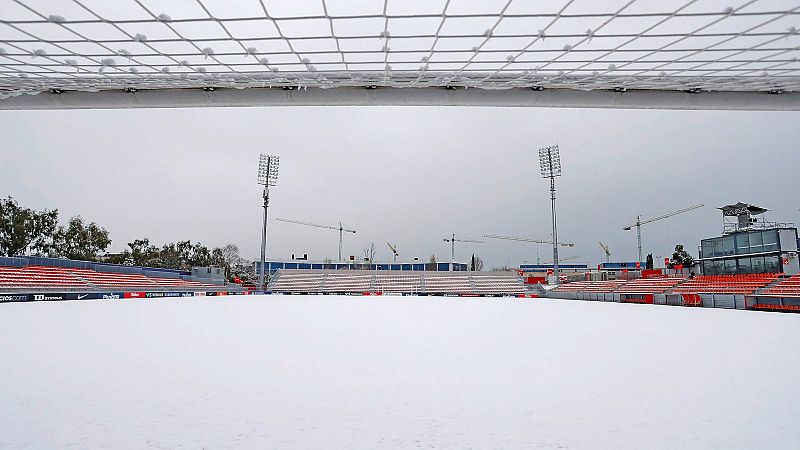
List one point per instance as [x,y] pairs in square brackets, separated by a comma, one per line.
[267,176]
[550,165]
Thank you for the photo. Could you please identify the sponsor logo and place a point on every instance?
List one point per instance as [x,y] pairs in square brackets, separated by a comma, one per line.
[199,294]
[153,294]
[171,294]
[110,296]
[81,297]
[40,297]
[13,298]
[187,294]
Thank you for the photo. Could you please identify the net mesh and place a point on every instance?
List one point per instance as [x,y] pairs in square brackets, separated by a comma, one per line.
[93,45]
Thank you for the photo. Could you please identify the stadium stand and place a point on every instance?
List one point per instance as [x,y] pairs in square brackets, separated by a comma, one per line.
[789,287]
[649,285]
[493,284]
[60,278]
[406,284]
[726,284]
[179,283]
[113,280]
[35,277]
[714,284]
[448,284]
[297,282]
[422,282]
[590,286]
[347,282]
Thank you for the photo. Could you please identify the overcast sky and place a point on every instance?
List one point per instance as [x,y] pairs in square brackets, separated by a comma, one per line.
[406,175]
[410,176]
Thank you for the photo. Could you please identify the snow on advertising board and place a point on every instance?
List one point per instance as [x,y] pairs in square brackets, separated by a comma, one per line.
[44,297]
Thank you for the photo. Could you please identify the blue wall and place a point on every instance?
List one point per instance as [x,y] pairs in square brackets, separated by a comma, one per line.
[275,265]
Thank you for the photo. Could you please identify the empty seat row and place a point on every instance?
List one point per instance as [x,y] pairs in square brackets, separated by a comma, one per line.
[420,282]
[590,286]
[789,287]
[726,284]
[71,278]
[649,285]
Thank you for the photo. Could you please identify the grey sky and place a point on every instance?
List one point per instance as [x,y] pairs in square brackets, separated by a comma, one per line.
[410,176]
[407,175]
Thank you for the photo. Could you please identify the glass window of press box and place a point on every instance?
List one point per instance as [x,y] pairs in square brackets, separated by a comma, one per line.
[746,264]
[741,244]
[737,247]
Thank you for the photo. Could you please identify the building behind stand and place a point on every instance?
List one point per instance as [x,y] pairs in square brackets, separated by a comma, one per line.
[210,275]
[276,264]
[750,244]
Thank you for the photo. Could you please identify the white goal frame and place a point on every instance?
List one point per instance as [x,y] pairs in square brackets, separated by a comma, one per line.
[558,53]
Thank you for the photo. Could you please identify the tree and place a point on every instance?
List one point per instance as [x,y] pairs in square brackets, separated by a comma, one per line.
[182,255]
[80,241]
[175,255]
[432,262]
[648,265]
[244,269]
[234,265]
[23,229]
[476,263]
[200,256]
[681,257]
[228,257]
[142,253]
[369,253]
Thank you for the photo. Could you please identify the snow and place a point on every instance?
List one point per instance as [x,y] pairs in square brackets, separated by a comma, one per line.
[395,372]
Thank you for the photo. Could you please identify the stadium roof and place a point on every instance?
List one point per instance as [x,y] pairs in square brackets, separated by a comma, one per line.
[736,209]
[620,53]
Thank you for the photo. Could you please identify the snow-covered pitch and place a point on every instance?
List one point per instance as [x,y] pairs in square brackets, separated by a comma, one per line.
[395,372]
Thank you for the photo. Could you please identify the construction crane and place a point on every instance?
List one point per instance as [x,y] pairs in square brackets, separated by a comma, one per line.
[606,251]
[393,248]
[522,239]
[452,240]
[340,229]
[639,222]
[568,258]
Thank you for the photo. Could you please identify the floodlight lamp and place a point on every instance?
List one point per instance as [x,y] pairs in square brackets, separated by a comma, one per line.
[550,161]
[268,170]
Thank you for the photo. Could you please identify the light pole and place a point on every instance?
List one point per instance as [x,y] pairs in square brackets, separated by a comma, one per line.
[267,176]
[550,165]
